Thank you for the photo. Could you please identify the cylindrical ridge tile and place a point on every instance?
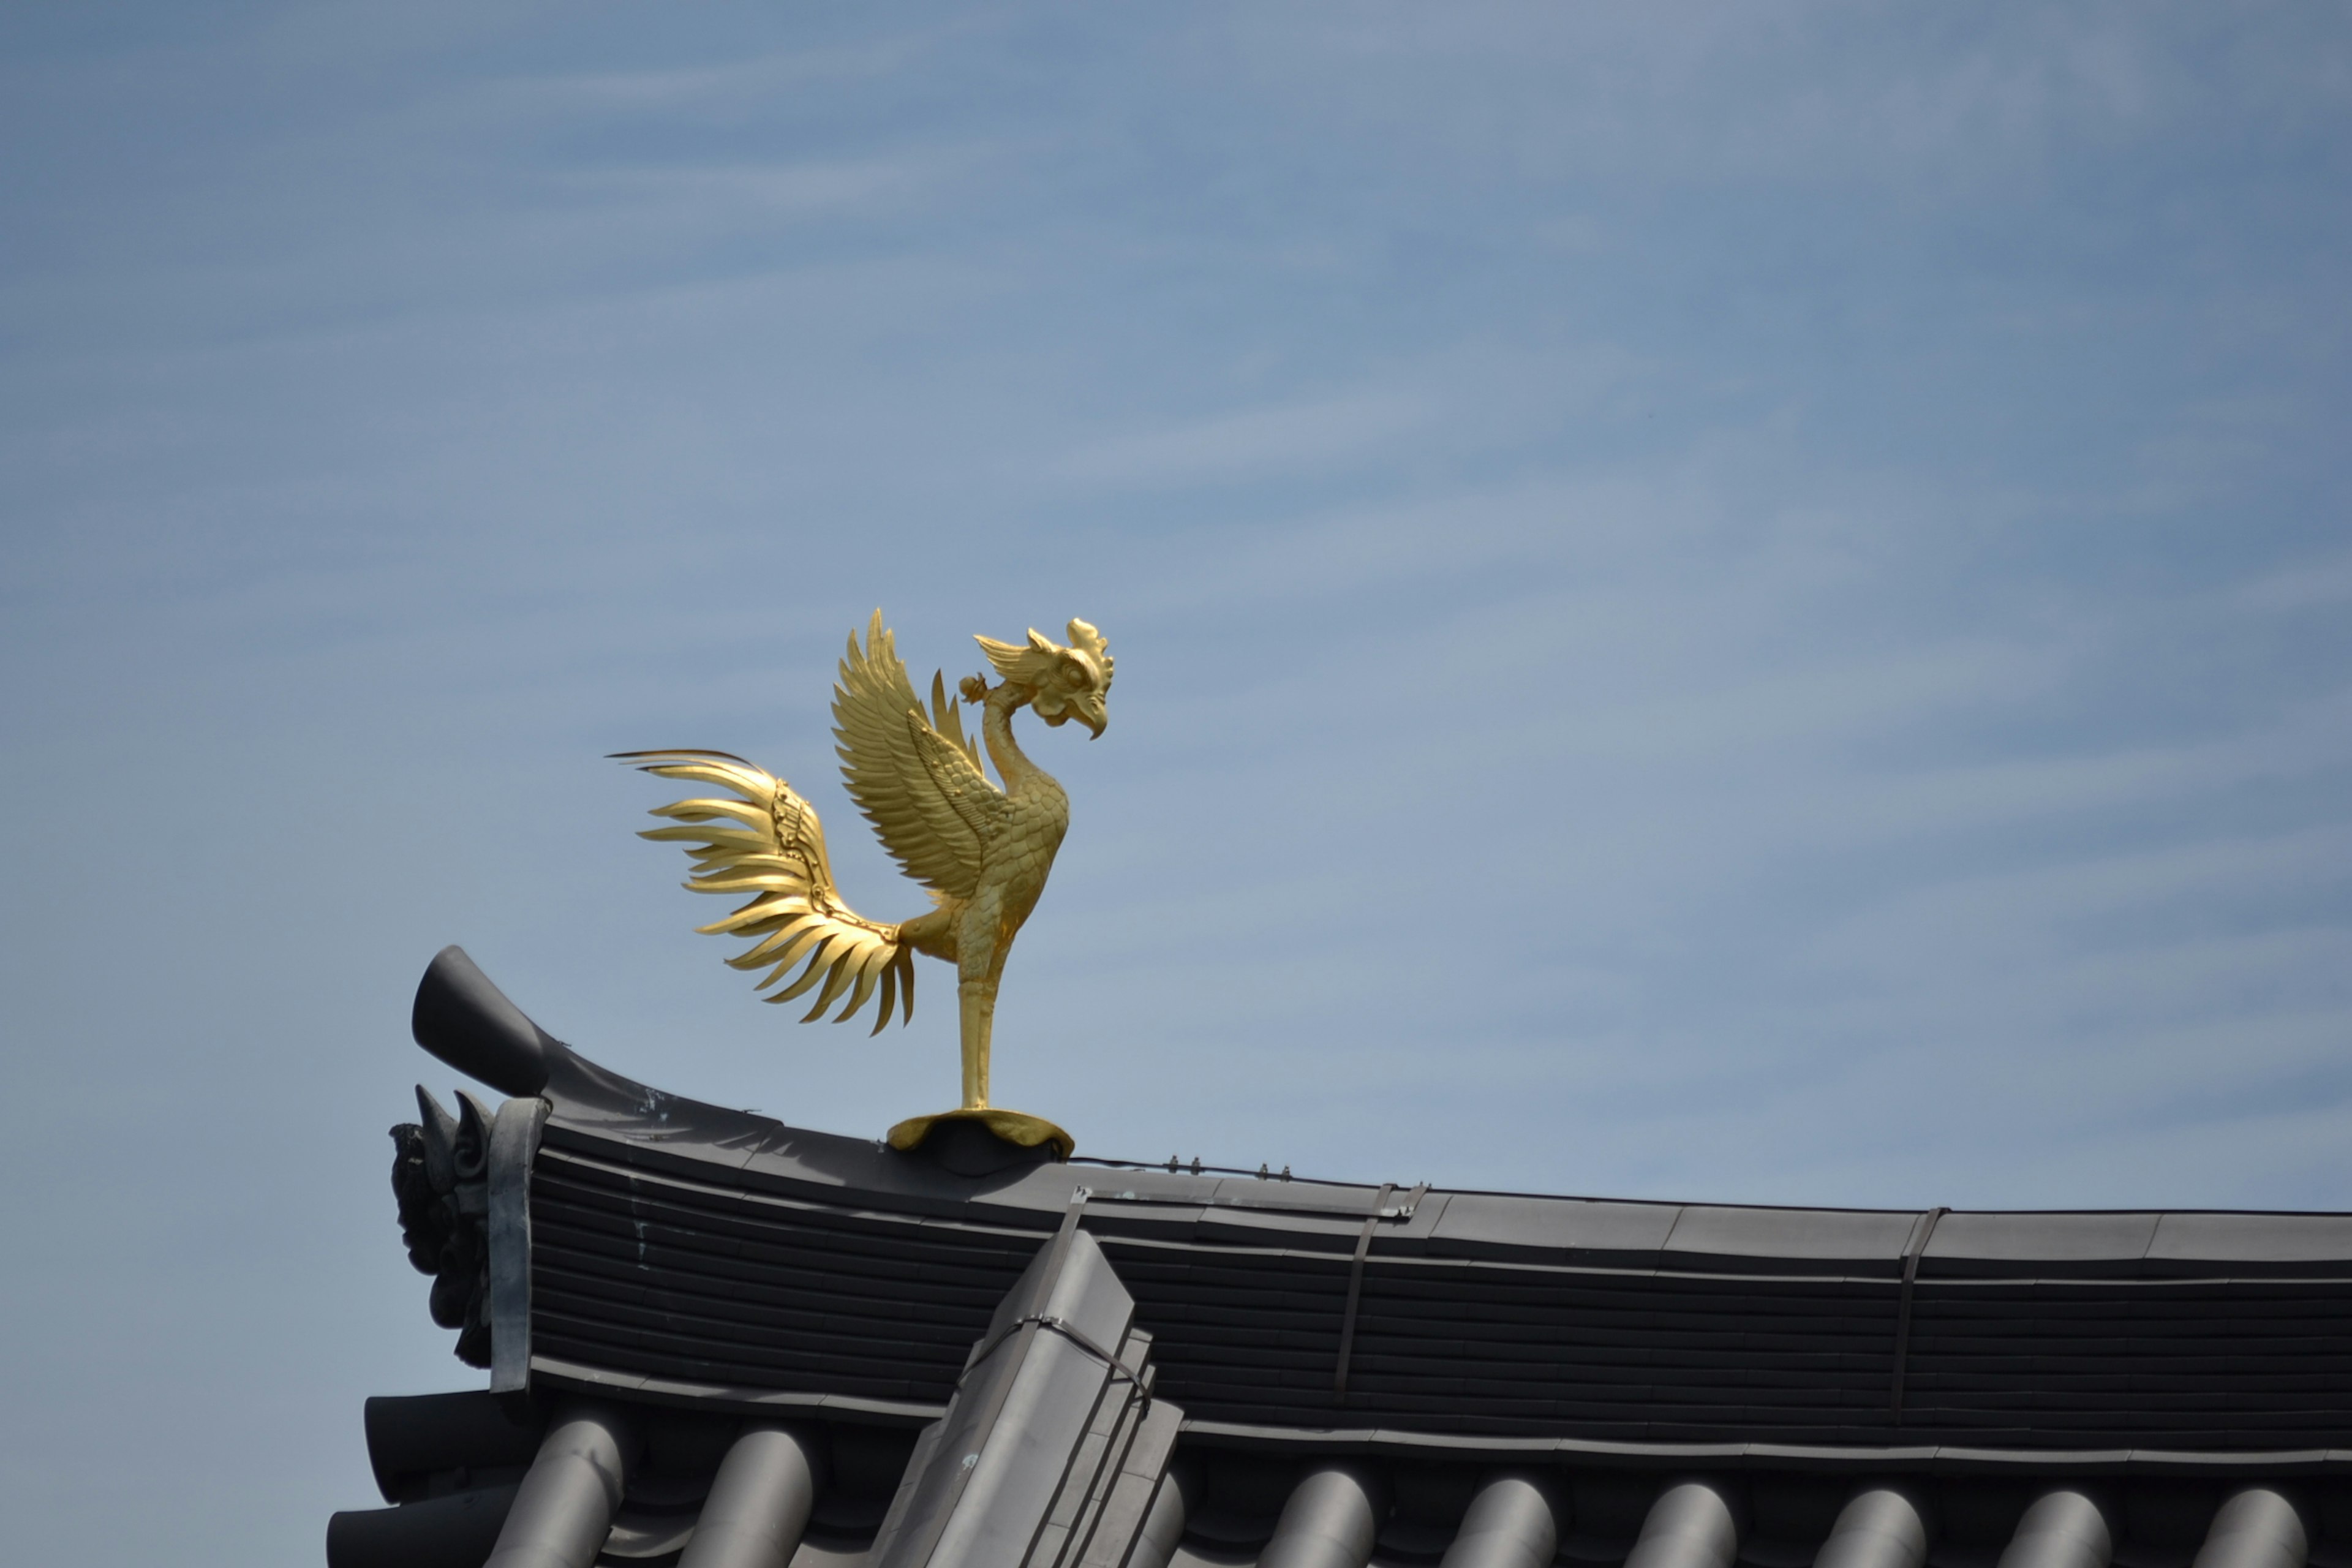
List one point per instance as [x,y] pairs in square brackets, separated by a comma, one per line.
[2257,1527]
[1163,1523]
[1693,1524]
[565,1509]
[1513,1522]
[759,1503]
[1331,1521]
[2063,1527]
[1880,1527]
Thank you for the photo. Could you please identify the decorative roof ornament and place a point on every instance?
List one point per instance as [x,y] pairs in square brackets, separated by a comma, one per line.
[981,851]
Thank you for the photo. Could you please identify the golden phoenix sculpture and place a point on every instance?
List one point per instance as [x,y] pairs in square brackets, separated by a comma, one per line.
[982,852]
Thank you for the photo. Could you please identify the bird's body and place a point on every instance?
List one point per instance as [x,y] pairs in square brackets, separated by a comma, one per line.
[974,933]
[984,852]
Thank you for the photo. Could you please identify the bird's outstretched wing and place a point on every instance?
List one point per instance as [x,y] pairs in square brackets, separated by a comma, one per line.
[916,777]
[769,844]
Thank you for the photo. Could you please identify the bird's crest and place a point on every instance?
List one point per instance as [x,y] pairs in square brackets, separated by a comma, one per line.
[1050,671]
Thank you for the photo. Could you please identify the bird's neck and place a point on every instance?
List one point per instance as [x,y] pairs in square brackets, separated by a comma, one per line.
[1019,775]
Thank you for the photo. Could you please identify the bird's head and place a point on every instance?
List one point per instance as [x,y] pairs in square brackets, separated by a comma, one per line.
[1060,683]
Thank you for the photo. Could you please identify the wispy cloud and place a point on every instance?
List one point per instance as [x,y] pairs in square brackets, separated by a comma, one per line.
[709,195]
[2307,585]
[749,85]
[1285,438]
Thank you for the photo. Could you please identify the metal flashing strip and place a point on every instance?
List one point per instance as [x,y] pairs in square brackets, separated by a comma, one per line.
[1072,1218]
[553,1372]
[1381,1209]
[1920,1457]
[514,1140]
[1355,1295]
[1924,1230]
[1070,1332]
[1059,1244]
[1276,1202]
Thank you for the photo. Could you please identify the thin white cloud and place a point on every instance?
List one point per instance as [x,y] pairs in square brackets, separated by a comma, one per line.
[1293,437]
[717,193]
[2308,585]
[739,86]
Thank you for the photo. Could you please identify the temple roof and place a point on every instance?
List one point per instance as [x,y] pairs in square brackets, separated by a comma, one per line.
[720,1267]
[719,1255]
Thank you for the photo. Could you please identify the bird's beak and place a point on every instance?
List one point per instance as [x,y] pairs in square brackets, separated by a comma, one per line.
[1092,716]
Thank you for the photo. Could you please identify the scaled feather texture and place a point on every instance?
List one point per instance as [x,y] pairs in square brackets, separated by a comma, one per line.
[775,853]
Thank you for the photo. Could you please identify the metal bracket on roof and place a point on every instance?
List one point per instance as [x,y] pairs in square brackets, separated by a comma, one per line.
[1923,1228]
[514,1139]
[1063,1327]
[1042,1459]
[1072,1218]
[1277,1196]
[1381,1209]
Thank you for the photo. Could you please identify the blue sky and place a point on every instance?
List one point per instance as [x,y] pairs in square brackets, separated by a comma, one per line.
[1712,601]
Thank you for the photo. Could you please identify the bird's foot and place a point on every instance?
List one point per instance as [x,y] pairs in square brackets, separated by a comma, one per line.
[959,1136]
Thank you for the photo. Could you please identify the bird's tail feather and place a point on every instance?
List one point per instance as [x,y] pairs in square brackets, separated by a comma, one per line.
[768,842]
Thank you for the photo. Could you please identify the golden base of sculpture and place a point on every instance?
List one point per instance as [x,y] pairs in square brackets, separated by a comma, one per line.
[1014,1127]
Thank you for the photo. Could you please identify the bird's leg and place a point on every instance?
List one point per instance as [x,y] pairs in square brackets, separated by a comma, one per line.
[978,998]
[987,1031]
[980,940]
